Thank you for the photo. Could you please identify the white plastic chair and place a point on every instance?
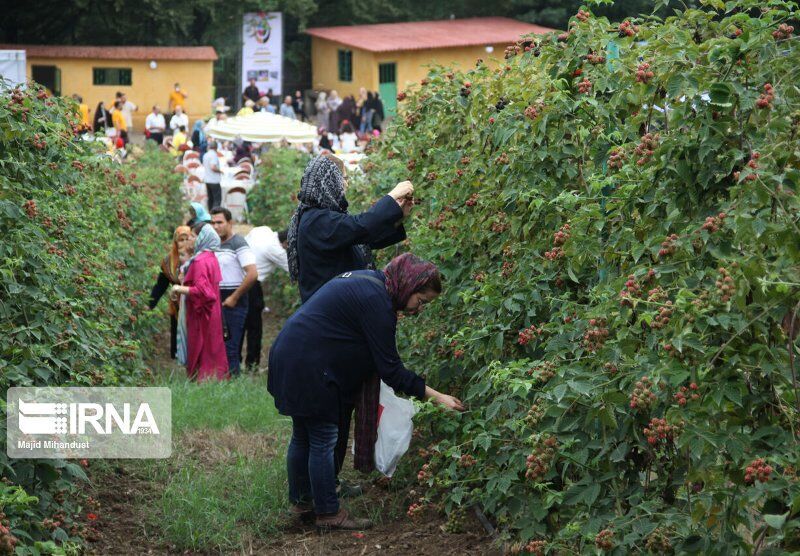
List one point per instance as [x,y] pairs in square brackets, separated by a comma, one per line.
[236,202]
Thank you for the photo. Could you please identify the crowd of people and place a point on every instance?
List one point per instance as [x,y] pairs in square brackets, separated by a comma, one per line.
[328,360]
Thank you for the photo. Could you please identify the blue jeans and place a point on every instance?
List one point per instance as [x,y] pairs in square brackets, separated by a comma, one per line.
[234,318]
[366,120]
[309,464]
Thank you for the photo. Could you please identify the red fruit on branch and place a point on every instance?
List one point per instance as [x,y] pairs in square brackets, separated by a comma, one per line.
[585,86]
[783,32]
[30,208]
[642,397]
[401,96]
[616,158]
[643,73]
[646,147]
[766,98]
[604,539]
[757,470]
[627,29]
[668,246]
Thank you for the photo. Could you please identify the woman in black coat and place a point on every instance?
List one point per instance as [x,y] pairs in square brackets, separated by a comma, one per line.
[351,323]
[325,241]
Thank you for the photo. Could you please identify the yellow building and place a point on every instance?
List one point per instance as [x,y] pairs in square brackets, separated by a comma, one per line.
[146,74]
[387,56]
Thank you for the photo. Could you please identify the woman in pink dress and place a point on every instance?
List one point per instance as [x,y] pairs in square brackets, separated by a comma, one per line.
[206,347]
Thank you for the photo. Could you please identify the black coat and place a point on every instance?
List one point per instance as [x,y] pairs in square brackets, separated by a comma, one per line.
[332,344]
[326,241]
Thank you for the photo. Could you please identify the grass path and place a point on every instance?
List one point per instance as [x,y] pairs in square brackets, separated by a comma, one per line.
[223,491]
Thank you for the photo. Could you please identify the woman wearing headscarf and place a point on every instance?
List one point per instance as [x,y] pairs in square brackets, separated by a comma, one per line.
[334,102]
[201,305]
[325,240]
[351,322]
[169,275]
[346,112]
[323,110]
[199,142]
[102,118]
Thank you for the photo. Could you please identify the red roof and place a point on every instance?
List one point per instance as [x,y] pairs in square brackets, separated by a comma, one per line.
[116,52]
[421,35]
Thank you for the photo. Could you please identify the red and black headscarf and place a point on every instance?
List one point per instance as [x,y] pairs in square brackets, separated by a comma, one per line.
[407,274]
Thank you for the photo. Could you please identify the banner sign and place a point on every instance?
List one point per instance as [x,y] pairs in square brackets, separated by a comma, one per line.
[262,51]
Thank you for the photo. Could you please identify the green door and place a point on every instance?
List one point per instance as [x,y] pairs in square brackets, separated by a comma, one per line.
[387,87]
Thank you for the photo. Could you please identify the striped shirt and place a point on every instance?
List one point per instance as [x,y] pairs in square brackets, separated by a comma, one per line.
[233,255]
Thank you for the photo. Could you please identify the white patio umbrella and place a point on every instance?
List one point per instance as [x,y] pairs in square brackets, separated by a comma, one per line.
[262,127]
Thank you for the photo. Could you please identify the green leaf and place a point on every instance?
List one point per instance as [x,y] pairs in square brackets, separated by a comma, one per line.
[721,94]
[775,521]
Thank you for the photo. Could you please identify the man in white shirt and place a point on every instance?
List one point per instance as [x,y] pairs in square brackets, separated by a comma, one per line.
[128,108]
[155,125]
[212,175]
[269,249]
[178,119]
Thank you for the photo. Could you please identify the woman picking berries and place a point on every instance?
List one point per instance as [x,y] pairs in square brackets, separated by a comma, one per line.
[351,323]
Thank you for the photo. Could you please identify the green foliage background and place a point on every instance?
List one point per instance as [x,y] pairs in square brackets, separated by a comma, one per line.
[503,161]
[81,244]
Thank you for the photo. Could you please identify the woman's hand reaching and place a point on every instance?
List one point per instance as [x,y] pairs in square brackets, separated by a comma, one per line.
[402,190]
[446,400]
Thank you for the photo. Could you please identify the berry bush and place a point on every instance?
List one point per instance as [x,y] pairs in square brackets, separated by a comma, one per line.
[81,244]
[628,222]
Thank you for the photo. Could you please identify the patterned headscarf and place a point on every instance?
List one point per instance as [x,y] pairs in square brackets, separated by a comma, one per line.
[171,262]
[405,275]
[207,240]
[322,187]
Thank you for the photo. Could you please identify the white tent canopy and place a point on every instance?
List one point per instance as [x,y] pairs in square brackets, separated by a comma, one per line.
[262,127]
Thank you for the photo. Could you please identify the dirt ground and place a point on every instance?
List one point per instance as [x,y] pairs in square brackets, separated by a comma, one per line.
[128,498]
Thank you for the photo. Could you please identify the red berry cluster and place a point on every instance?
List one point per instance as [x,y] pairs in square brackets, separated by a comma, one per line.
[500,223]
[582,15]
[616,158]
[725,285]
[783,31]
[714,223]
[753,165]
[564,37]
[646,147]
[596,335]
[479,276]
[415,510]
[39,142]
[458,354]
[628,29]
[658,542]
[668,246]
[659,431]
[536,548]
[603,540]
[466,89]
[585,86]
[684,394]
[473,200]
[538,463]
[123,219]
[401,96]
[411,119]
[466,461]
[411,164]
[502,159]
[528,334]
[53,250]
[8,541]
[508,269]
[577,72]
[643,73]
[595,59]
[632,289]
[610,368]
[534,110]
[431,176]
[543,372]
[562,235]
[465,160]
[70,190]
[30,208]
[766,98]
[424,473]
[535,414]
[758,470]
[642,397]
[662,318]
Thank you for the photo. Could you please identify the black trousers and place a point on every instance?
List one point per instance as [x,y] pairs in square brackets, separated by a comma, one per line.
[214,195]
[173,336]
[157,137]
[340,450]
[253,326]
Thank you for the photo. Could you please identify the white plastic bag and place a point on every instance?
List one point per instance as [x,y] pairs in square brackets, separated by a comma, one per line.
[394,430]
